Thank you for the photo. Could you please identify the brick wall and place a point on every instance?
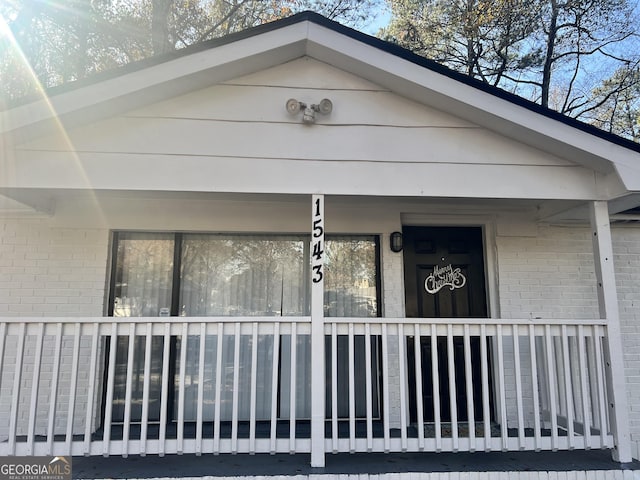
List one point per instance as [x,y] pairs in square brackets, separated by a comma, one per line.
[551,275]
[393,306]
[626,249]
[56,272]
[50,271]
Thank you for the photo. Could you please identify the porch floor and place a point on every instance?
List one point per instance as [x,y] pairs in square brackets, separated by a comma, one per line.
[178,466]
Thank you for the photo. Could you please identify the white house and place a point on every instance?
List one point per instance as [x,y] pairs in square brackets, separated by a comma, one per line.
[303,239]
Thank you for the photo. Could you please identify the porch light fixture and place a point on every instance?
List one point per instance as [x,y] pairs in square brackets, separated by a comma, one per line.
[395,242]
[309,111]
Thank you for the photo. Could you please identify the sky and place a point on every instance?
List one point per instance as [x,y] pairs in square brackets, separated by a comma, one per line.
[380,20]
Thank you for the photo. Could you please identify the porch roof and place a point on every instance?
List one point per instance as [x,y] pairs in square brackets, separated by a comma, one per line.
[311,35]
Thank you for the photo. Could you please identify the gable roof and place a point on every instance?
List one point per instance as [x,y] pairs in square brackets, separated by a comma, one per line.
[310,34]
[375,42]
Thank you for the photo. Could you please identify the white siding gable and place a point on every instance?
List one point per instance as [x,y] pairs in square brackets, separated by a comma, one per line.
[374,141]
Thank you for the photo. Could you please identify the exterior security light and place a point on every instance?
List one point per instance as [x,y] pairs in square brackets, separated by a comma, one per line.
[395,242]
[294,106]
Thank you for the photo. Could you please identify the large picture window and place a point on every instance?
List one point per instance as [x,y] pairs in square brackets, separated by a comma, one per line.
[184,274]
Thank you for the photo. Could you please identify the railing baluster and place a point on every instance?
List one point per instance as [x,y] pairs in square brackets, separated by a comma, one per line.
[534,387]
[436,387]
[144,421]
[518,375]
[15,392]
[471,419]
[111,375]
[93,362]
[334,387]
[584,388]
[418,366]
[72,388]
[53,395]
[35,382]
[275,361]
[128,387]
[254,389]
[453,394]
[200,405]
[403,383]
[504,432]
[164,395]
[567,388]
[17,374]
[551,372]
[484,373]
[182,375]
[292,392]
[236,390]
[216,419]
[602,403]
[385,388]
[352,393]
[368,374]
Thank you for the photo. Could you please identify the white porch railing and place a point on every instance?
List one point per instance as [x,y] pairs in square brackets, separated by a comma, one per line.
[242,385]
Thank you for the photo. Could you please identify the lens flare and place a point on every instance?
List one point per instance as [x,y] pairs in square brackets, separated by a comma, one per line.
[16,142]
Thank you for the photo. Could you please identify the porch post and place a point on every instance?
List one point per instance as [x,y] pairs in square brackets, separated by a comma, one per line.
[608,305]
[317,332]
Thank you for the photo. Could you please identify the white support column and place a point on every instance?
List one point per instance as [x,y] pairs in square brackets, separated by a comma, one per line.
[608,305]
[317,332]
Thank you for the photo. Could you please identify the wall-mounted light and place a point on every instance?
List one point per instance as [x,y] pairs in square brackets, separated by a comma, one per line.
[309,111]
[395,242]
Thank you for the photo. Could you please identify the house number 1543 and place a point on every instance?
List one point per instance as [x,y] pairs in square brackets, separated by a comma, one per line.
[317,240]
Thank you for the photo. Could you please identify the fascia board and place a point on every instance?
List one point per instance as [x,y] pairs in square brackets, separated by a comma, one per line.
[630,174]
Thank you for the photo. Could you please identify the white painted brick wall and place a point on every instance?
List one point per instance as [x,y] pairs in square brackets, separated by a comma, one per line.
[393,301]
[626,249]
[551,275]
[46,271]
[51,271]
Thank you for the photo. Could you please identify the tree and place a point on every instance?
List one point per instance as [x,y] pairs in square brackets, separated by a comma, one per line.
[560,53]
[616,102]
[481,38]
[572,33]
[65,40]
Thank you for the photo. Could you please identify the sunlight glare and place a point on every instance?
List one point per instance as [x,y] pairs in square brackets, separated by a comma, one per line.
[8,177]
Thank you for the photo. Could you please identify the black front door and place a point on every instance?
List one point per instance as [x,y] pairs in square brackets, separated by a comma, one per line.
[444,278]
